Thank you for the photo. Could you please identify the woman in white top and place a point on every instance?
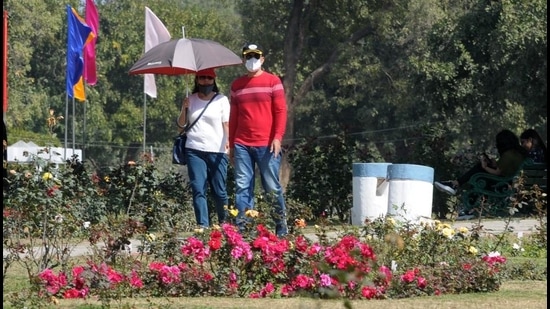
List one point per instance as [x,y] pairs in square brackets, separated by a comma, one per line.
[207,145]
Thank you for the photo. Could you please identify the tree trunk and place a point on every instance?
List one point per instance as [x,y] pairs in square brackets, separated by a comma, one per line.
[293,46]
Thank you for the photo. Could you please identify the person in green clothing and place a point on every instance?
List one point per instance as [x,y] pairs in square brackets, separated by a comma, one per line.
[511,156]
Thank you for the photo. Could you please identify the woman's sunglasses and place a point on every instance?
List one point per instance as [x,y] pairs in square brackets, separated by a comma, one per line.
[249,56]
[206,77]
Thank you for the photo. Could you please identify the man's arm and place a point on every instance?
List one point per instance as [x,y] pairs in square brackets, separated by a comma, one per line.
[279,112]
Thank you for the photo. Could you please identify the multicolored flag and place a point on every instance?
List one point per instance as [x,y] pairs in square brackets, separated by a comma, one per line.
[155,33]
[92,19]
[78,35]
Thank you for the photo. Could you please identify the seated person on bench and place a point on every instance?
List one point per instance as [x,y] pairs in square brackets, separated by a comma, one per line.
[532,142]
[511,157]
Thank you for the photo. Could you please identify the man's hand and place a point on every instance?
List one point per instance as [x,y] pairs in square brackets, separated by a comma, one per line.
[275,148]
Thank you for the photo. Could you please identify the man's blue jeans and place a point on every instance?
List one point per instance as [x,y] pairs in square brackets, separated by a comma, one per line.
[246,159]
[208,168]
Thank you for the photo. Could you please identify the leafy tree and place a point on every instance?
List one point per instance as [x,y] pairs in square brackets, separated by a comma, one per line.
[471,78]
[392,77]
[110,123]
[31,50]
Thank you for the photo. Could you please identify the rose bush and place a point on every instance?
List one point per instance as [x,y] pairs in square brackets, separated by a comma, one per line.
[223,262]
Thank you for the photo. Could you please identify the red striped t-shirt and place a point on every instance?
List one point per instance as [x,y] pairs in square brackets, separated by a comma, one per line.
[258,110]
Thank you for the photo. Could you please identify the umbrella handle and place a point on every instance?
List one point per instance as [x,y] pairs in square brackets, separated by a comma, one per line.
[187,86]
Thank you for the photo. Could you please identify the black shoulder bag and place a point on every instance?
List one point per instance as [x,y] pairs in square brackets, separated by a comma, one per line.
[178,150]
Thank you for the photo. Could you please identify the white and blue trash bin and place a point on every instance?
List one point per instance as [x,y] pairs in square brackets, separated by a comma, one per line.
[370,192]
[410,193]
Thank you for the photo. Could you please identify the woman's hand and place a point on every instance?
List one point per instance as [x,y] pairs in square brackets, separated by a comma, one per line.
[181,118]
[489,165]
[483,163]
[231,155]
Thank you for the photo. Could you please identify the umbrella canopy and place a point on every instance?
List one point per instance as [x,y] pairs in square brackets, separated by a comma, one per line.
[184,56]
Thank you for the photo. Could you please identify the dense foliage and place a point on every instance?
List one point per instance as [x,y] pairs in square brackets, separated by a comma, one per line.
[371,71]
[394,81]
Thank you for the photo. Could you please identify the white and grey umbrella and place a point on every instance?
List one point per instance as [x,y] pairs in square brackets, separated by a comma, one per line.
[184,56]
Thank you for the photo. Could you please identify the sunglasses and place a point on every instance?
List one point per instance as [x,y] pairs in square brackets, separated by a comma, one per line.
[206,77]
[249,56]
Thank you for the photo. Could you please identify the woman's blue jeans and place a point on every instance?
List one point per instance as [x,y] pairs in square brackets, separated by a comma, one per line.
[208,168]
[246,159]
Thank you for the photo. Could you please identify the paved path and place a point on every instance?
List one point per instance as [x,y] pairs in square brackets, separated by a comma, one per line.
[491,226]
[520,225]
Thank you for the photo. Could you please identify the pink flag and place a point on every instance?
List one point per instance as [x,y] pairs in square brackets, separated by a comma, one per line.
[155,33]
[92,19]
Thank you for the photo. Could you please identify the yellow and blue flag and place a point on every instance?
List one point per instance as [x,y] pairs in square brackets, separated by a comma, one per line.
[78,35]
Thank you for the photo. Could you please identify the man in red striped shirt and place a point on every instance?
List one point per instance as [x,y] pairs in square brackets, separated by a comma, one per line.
[257,125]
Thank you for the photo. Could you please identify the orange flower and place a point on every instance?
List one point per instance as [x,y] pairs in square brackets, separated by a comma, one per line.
[301,223]
[251,213]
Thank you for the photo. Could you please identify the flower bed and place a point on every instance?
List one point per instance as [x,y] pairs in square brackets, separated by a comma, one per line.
[222,262]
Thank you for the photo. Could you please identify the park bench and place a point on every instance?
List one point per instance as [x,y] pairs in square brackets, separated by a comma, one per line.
[493,193]
[535,174]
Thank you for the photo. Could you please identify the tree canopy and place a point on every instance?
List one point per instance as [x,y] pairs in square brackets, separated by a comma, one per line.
[387,73]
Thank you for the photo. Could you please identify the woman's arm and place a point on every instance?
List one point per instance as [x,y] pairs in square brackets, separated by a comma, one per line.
[486,165]
[181,121]
[226,134]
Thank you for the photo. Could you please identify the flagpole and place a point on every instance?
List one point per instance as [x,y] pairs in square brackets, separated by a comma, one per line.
[84,131]
[5,94]
[144,120]
[66,124]
[73,129]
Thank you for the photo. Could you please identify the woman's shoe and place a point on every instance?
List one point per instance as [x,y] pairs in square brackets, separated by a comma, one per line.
[446,186]
[466,215]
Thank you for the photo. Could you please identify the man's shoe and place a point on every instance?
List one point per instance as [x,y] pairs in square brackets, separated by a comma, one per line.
[200,229]
[281,229]
[446,186]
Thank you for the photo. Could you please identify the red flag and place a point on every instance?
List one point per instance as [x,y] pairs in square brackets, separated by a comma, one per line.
[92,19]
[5,66]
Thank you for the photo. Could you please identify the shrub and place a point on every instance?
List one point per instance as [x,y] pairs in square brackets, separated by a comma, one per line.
[224,262]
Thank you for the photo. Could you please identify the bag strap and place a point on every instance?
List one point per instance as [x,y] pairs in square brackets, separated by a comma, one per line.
[188,126]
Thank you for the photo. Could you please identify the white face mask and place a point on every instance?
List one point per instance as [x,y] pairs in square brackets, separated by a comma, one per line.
[253,64]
